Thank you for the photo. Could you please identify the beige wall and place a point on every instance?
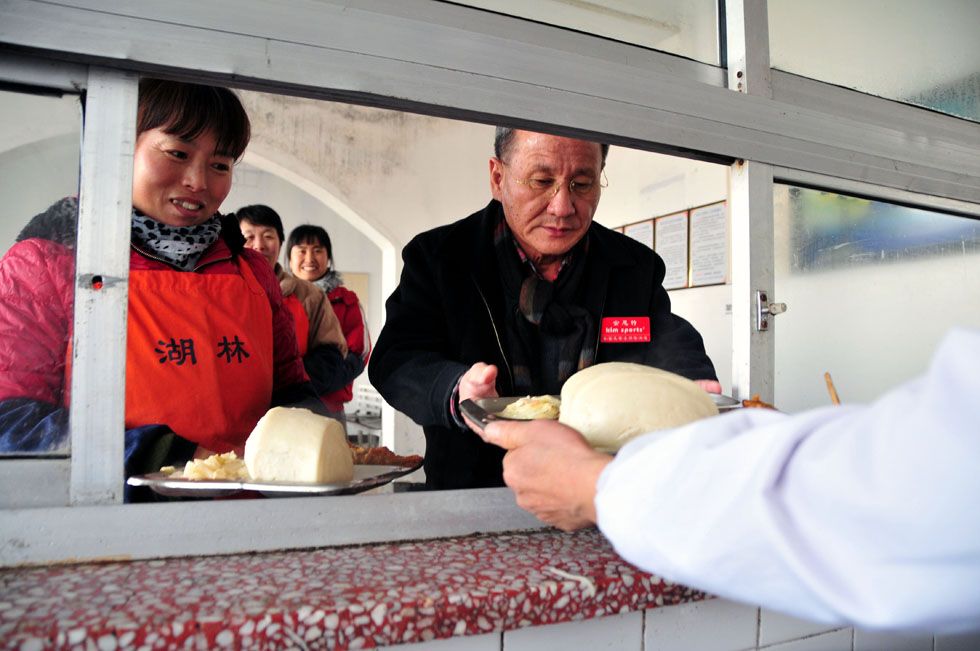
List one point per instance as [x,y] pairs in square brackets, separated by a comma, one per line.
[401,173]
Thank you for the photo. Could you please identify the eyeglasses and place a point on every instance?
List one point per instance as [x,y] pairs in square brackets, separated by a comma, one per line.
[546,185]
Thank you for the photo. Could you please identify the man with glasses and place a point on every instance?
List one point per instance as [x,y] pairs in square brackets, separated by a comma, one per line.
[517,297]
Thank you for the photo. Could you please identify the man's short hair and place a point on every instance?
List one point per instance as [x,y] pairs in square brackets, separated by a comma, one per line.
[503,140]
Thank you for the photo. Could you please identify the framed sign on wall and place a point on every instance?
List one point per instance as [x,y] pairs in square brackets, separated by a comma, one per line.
[709,244]
[670,238]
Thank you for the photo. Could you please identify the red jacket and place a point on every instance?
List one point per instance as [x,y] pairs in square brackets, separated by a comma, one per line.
[36,296]
[347,307]
[36,302]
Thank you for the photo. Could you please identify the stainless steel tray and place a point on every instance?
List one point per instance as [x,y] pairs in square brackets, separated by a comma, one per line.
[365,478]
[725,403]
[483,411]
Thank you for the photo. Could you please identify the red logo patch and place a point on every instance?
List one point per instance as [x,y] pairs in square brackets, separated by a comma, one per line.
[625,329]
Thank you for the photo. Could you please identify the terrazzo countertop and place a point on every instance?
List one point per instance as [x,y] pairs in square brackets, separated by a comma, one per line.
[335,598]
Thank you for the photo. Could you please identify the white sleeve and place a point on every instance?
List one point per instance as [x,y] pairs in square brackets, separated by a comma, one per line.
[864,515]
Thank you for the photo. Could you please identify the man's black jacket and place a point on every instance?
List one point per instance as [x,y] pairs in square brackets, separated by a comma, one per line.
[447,314]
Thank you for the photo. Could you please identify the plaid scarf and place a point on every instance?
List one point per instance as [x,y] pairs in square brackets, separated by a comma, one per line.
[548,334]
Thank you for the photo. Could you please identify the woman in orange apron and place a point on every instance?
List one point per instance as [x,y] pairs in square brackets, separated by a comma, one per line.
[322,343]
[210,345]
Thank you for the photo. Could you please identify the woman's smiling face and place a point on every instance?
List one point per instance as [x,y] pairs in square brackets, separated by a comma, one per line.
[309,260]
[179,182]
[263,239]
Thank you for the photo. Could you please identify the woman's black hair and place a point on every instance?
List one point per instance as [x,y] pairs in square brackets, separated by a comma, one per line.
[261,215]
[309,234]
[188,110]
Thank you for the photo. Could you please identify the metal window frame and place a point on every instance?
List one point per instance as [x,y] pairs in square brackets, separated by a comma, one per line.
[750,208]
[98,375]
[458,62]
[30,71]
[876,192]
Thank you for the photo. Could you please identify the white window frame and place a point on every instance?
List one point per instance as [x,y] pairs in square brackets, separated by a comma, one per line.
[98,375]
[446,60]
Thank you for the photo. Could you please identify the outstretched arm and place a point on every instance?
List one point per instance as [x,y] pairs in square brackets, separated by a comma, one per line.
[845,514]
[551,469]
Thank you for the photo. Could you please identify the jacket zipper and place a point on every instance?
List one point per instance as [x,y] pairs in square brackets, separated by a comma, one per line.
[598,334]
[496,334]
[170,264]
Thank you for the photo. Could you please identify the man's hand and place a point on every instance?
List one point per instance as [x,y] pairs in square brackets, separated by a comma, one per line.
[711,386]
[551,469]
[478,382]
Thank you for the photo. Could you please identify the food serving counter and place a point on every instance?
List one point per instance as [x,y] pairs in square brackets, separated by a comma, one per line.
[537,590]
[334,598]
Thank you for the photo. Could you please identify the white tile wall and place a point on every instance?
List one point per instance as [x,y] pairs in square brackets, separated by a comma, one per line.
[488,642]
[617,633]
[835,641]
[874,641]
[776,627]
[711,625]
[968,642]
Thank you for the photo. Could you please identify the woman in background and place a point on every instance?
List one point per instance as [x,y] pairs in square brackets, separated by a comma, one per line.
[321,340]
[310,257]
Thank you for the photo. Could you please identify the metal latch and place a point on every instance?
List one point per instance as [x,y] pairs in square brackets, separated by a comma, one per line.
[764,310]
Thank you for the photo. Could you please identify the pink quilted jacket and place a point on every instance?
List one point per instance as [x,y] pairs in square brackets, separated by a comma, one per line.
[36,280]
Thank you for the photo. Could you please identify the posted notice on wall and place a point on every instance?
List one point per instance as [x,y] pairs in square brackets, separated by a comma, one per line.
[709,245]
[671,244]
[642,232]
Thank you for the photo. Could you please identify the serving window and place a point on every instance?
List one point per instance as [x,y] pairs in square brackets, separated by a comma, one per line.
[873,286]
[288,72]
[322,163]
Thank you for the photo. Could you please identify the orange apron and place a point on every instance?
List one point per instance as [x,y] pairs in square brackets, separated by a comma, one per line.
[302,321]
[199,355]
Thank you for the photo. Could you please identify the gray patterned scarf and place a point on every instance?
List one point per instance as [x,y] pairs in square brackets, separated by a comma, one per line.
[180,246]
[329,282]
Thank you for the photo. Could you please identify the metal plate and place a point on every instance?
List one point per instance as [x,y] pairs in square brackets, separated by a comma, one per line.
[365,478]
[725,403]
[497,405]
[485,410]
[480,413]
